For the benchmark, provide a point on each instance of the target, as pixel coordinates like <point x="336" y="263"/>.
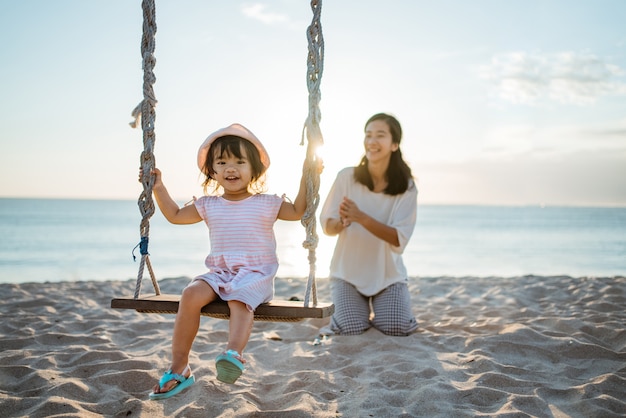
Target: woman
<point x="372" y="208"/>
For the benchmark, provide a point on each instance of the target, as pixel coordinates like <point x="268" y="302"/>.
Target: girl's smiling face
<point x="233" y="173"/>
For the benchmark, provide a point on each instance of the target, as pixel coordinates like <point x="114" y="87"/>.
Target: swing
<point x="275" y="310"/>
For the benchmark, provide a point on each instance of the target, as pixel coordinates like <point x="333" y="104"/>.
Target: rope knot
<point x="143" y="247"/>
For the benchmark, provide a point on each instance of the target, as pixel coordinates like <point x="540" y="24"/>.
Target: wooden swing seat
<point x="276" y="310"/>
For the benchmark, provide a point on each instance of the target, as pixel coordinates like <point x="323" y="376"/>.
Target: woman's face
<point x="378" y="142"/>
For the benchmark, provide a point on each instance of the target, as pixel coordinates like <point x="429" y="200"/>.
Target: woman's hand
<point x="349" y="212"/>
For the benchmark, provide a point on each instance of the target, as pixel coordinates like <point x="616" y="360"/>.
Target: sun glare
<point x="319" y="152"/>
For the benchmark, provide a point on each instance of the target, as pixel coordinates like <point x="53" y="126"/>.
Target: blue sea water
<point x="69" y="240"/>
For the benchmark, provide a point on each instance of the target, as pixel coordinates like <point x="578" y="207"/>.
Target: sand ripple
<point x="524" y="346"/>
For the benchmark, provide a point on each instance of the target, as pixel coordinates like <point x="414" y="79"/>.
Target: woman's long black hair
<point x="398" y="173"/>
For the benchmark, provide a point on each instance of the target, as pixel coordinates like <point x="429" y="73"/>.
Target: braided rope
<point x="315" y="67"/>
<point x="144" y="113"/>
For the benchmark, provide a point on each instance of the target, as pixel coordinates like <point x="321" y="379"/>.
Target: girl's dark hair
<point x="232" y="145"/>
<point x="398" y="173"/>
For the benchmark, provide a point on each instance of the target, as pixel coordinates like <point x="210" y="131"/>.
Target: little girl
<point x="242" y="263"/>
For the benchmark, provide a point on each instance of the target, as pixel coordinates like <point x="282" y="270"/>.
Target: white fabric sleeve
<point x="404" y="216"/>
<point x="337" y="192"/>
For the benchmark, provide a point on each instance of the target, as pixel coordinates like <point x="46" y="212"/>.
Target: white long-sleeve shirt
<point x="360" y="258"/>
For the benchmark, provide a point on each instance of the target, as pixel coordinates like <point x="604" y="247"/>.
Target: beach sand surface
<point x="521" y="346"/>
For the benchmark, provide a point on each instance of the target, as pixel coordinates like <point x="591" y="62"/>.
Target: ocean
<point x="77" y="240"/>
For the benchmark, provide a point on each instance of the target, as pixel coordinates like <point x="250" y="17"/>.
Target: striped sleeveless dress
<point x="243" y="262"/>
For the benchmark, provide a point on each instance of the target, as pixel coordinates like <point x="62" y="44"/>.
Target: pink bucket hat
<point x="236" y="130"/>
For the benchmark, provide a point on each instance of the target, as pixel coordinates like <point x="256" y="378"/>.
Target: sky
<point x="517" y="102"/>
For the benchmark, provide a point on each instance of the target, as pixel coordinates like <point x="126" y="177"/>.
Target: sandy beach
<point x="522" y="346"/>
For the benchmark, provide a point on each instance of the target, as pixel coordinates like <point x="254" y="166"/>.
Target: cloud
<point x="553" y="140"/>
<point x="567" y="77"/>
<point x="259" y="12"/>
<point x="583" y="178"/>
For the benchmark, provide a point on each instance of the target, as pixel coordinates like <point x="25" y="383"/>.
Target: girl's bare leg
<point x="239" y="327"/>
<point x="186" y="325"/>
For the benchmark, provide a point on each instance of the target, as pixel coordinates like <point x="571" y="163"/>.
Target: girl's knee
<point x="240" y="309"/>
<point x="197" y="293"/>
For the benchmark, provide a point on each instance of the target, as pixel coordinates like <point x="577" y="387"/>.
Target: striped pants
<point x="388" y="311"/>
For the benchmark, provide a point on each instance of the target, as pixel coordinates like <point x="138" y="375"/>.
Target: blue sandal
<point x="168" y="376"/>
<point x="228" y="366"/>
